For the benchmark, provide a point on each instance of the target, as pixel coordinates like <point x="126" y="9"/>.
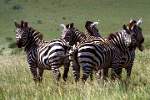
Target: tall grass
<point x="16" y="83"/>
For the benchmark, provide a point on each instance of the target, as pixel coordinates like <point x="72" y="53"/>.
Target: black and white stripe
<point x="76" y="38"/>
<point x="137" y="42"/>
<point x="97" y="55"/>
<point x="41" y="54"/>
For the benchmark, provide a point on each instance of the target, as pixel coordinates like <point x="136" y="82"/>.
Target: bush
<point x="39" y="21"/>
<point x="12" y="45"/>
<point x="9" y="39"/>
<point x="17" y="7"/>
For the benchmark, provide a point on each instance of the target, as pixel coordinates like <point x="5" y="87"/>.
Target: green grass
<point x="111" y="13"/>
<point x="16" y="83"/>
<point x="45" y="15"/>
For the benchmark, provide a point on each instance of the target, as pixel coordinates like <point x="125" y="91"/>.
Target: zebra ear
<point x="22" y="23"/>
<point x="131" y="25"/>
<point x="139" y="22"/>
<point x="62" y="25"/>
<point x="16" y="24"/>
<point x="94" y="23"/>
<point x="67" y="26"/>
<point x="87" y="24"/>
<point x="131" y="20"/>
<point x="71" y="25"/>
<point x="25" y="24"/>
<point x="124" y="27"/>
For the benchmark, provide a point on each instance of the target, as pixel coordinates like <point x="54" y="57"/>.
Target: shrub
<point x="17" y="7"/>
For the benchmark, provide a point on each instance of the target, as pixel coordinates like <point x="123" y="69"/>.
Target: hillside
<point x="46" y="15"/>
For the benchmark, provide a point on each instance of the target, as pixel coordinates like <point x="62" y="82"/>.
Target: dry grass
<point x="16" y="83"/>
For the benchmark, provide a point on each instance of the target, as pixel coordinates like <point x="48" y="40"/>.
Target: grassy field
<point x="16" y="83"/>
<point x="45" y="15"/>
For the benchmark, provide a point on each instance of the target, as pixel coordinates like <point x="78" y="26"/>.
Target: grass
<point x="16" y="83"/>
<point x="45" y="15"/>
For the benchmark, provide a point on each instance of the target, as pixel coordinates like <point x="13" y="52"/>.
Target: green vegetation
<point x="45" y="16"/>
<point x="16" y="83"/>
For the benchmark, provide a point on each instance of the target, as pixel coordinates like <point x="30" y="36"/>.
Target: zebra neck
<point x="29" y="47"/>
<point x="118" y="43"/>
<point x="31" y="44"/>
<point x="34" y="40"/>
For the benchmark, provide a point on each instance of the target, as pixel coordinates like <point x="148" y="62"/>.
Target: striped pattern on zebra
<point x="102" y="55"/>
<point x="75" y="38"/>
<point x="42" y="54"/>
<point x="134" y="26"/>
<point x="78" y="36"/>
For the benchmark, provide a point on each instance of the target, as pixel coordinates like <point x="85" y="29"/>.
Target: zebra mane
<point x="33" y="32"/>
<point x="112" y="35"/>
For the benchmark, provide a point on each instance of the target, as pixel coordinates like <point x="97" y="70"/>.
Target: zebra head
<point x="67" y="31"/>
<point x="137" y="35"/>
<point x="26" y="35"/>
<point x="70" y="34"/>
<point x="92" y="29"/>
<point x="21" y="33"/>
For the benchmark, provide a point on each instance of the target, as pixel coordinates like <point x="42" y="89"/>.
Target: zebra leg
<point x="56" y="73"/>
<point x="76" y="71"/>
<point x="74" y="64"/>
<point x="116" y="73"/>
<point x="105" y="73"/>
<point x="33" y="70"/>
<point x="87" y="70"/>
<point x="40" y="74"/>
<point x="66" y="70"/>
<point x="128" y="69"/>
<point x="91" y="75"/>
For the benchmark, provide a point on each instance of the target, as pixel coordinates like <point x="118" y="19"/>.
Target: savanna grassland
<point x="45" y="15"/>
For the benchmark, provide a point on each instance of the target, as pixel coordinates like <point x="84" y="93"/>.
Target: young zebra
<point x="42" y="54"/>
<point x="97" y="55"/>
<point x="133" y="26"/>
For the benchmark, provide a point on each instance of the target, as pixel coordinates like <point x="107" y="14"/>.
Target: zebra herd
<point x="88" y="50"/>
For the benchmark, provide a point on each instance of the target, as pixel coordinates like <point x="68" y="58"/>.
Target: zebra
<point x="138" y="36"/>
<point x="76" y="38"/>
<point x="97" y="55"/>
<point x="134" y="26"/>
<point x="42" y="54"/>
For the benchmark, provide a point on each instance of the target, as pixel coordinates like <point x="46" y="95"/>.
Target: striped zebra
<point x="76" y="38"/>
<point x="42" y="54"/>
<point x="134" y="26"/>
<point x="111" y="53"/>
